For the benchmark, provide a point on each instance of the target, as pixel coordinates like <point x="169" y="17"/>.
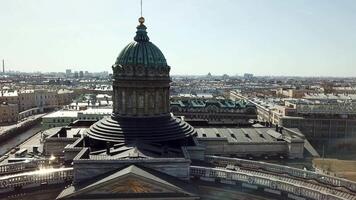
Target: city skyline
<point x="304" y="38"/>
<point x="255" y="131"/>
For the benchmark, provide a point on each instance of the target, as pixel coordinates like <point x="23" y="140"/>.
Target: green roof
<point x="141" y="51"/>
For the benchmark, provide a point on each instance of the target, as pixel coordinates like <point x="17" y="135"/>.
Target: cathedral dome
<point x="141" y="52"/>
<point x="141" y="103"/>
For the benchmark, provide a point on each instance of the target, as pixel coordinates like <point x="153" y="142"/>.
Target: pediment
<point x="129" y="182"/>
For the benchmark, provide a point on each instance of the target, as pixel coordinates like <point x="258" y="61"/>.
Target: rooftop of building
<point x="64" y="91"/>
<point x="102" y="96"/>
<point x="63" y="113"/>
<point x="198" y="95"/>
<point x="97" y="111"/>
<point x="29" y="91"/>
<point x="138" y="150"/>
<point x="69" y="132"/>
<point x="89" y="104"/>
<point x="242" y="135"/>
<point x="201" y="103"/>
<point x="8" y="93"/>
<point x="320" y="96"/>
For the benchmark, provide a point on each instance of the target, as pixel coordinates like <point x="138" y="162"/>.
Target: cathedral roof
<point x="141" y="51"/>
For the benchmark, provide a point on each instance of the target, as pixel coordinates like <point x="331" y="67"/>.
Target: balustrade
<point x="289" y="185"/>
<point x="37" y="177"/>
<point x="22" y="166"/>
<point x="304" y="174"/>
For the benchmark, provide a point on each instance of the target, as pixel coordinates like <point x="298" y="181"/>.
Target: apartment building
<point x="8" y="113"/>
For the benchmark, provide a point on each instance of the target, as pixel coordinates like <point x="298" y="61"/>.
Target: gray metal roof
<point x="238" y="135"/>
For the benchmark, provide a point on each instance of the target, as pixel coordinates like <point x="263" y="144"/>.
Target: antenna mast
<point x="141" y="8"/>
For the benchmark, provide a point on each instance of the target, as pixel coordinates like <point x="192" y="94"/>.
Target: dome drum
<point x="120" y="72"/>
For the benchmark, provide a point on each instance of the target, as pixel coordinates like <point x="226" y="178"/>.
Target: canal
<point x="10" y="143"/>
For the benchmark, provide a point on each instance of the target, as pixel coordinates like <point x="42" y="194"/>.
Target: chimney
<point x="62" y="132"/>
<point x="280" y="130"/>
<point x="108" y="146"/>
<point x="86" y="141"/>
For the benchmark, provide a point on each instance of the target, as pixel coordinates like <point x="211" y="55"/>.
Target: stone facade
<point x="27" y="100"/>
<point x="30" y="102"/>
<point x="141" y="98"/>
<point x="8" y="113"/>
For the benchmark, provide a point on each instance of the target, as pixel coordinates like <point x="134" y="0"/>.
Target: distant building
<point x="248" y="76"/>
<point x="30" y="102"/>
<point x="292" y="92"/>
<point x="92" y="101"/>
<point x="64" y="97"/>
<point x="331" y="124"/>
<point x="27" y="100"/>
<point x="213" y="111"/>
<point x="46" y="99"/>
<point x="327" y="122"/>
<point x="10" y="97"/>
<point x="8" y="113"/>
<point x="59" y="118"/>
<point x="94" y="114"/>
<point x="68" y="73"/>
<point x="65" y="117"/>
<point x="252" y="142"/>
<point x="81" y="74"/>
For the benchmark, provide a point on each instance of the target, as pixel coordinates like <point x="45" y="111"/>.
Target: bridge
<point x="284" y="181"/>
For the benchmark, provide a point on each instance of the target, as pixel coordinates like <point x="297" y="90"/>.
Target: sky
<point x="263" y="37"/>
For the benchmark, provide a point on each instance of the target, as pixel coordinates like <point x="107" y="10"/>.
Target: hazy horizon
<point x="313" y="38"/>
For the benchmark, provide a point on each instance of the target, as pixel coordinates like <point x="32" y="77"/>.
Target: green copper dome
<point x="141" y="51"/>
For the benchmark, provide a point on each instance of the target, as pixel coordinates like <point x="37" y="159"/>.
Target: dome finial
<point x="141" y="20"/>
<point x="141" y="34"/>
